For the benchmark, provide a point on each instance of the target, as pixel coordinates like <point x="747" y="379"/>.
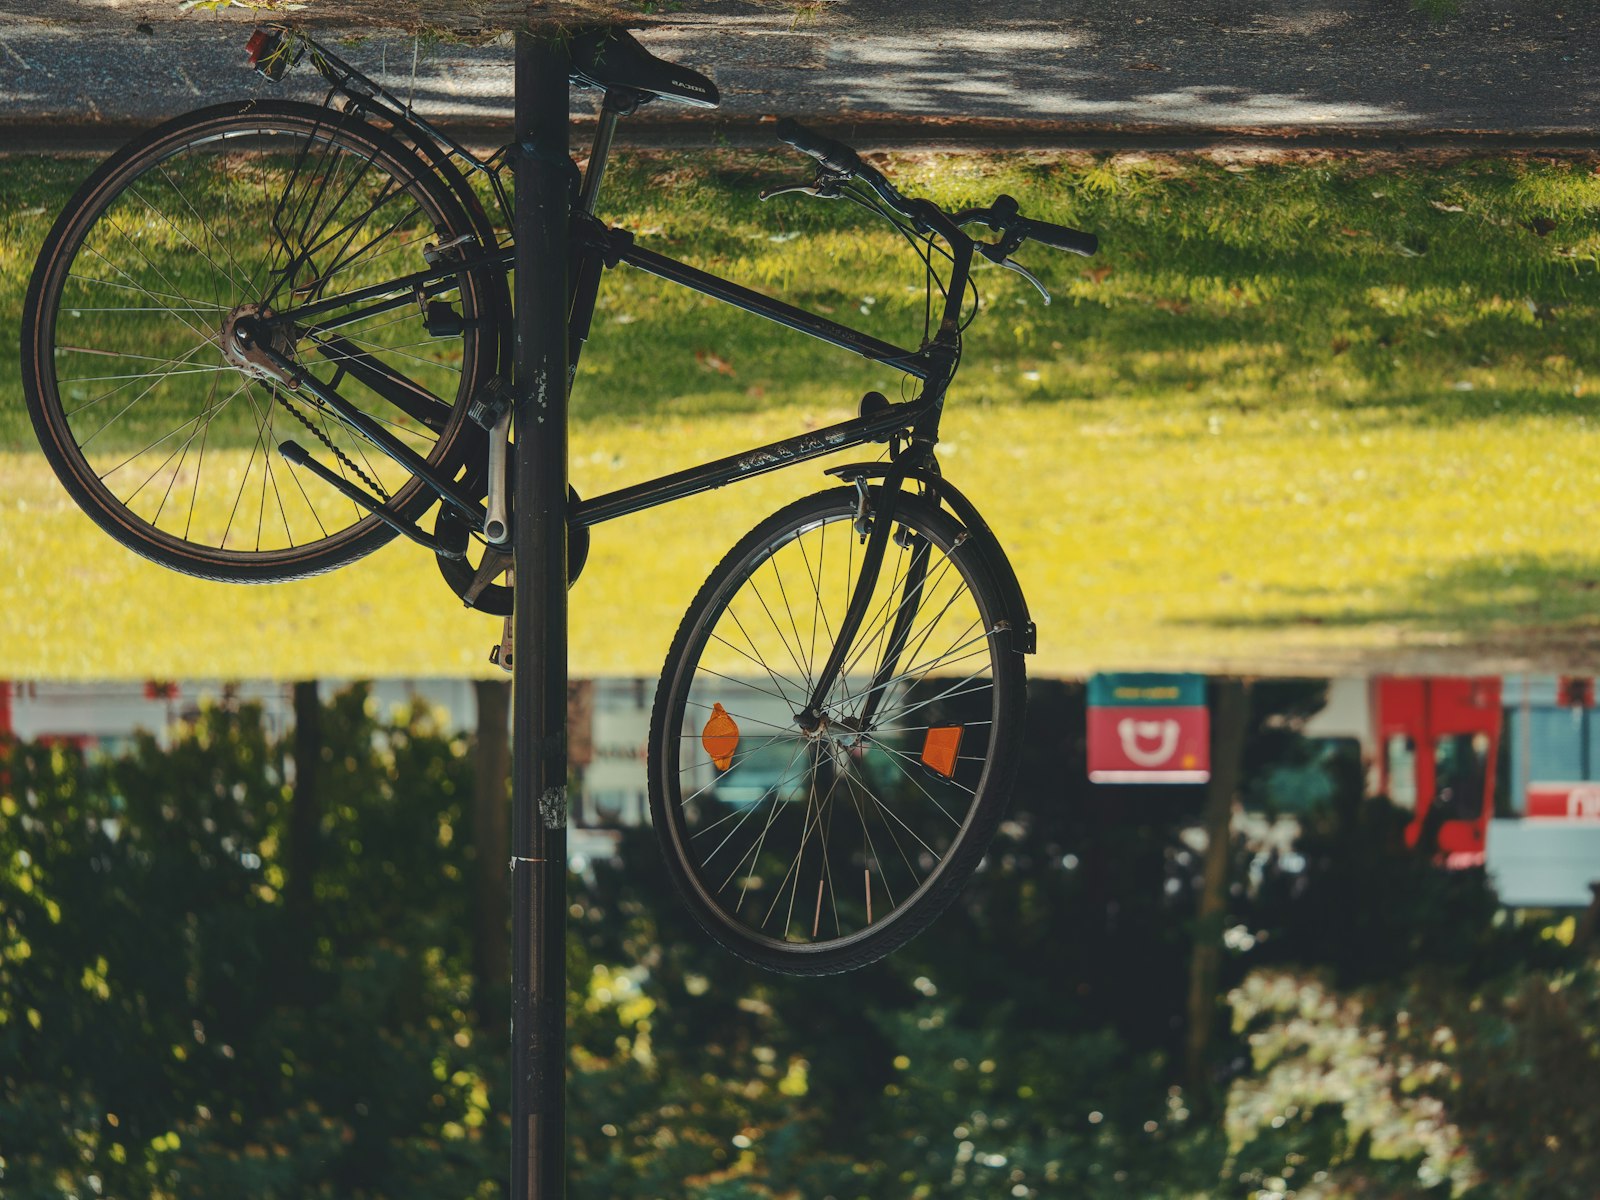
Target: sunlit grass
<point x="1292" y="417"/>
<point x="1240" y="544"/>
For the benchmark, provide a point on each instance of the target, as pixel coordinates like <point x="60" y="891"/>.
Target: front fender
<point x="1016" y="604"/>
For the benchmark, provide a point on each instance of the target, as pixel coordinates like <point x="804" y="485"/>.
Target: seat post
<point x="615" y="106"/>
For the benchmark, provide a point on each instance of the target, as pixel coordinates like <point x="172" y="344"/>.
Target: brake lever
<point x="824" y="187"/>
<point x="1012" y="264"/>
<point x="999" y="253"/>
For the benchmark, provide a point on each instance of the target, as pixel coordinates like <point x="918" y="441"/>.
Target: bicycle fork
<point x="881" y="518"/>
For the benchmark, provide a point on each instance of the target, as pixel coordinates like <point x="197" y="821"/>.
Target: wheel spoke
<point x="242" y="278"/>
<point x="742" y="719"/>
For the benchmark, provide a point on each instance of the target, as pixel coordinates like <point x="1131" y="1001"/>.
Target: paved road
<point x="1052" y="68"/>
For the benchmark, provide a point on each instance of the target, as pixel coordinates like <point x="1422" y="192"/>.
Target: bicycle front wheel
<point x="158" y="426"/>
<point x="813" y="851"/>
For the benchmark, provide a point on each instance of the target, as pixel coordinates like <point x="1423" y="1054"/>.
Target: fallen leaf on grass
<point x="711" y="362"/>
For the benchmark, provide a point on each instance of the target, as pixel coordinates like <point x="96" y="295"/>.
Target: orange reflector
<point x="720" y="737"/>
<point x="939" y="748"/>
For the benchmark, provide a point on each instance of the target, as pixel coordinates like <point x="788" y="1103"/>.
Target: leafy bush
<point x="160" y="1037"/>
<point x="1525" y="1068"/>
<point x="172" y="1026"/>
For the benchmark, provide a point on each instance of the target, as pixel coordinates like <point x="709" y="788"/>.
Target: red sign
<point x="1146" y="728"/>
<point x="1563" y="801"/>
<point x="1140" y="746"/>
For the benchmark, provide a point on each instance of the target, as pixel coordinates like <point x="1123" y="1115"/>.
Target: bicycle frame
<point x="599" y="247"/>
<point x="918" y="418"/>
<point x="911" y="428"/>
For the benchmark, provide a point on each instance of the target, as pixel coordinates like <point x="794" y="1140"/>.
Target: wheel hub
<point x="245" y="330"/>
<point x="840" y="735"/>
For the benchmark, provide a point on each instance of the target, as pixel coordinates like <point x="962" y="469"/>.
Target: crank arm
<point x="496" y="528"/>
<point x="503" y="652"/>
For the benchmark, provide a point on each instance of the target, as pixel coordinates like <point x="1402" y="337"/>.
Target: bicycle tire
<point x="200" y="186"/>
<point x="959" y="587"/>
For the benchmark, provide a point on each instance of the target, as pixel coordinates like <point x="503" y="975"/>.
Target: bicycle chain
<point x="337" y="453"/>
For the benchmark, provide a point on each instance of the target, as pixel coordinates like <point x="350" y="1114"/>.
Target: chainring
<point x="453" y="534"/>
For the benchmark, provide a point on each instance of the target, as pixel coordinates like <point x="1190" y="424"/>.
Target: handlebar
<point x="1062" y="237"/>
<point x="1002" y="216"/>
<point x="836" y="156"/>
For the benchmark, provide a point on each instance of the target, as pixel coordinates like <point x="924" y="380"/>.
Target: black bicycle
<point x="267" y="337"/>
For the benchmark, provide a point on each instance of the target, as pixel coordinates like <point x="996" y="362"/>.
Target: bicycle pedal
<point x="500" y="655"/>
<point x="490" y="403"/>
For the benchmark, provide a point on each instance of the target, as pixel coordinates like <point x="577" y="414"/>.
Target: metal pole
<point x="539" y="668"/>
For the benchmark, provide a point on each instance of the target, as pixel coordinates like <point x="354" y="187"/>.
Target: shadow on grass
<point x="1336" y="286"/>
<point x="1511" y="606"/>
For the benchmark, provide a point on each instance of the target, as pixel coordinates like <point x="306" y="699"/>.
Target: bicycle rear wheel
<point x="171" y="445"/>
<point x="817" y="852"/>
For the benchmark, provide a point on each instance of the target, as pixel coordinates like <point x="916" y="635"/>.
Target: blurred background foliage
<point x="198" y="1001"/>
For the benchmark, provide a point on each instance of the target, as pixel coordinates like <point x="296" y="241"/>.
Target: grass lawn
<point x="1297" y="416"/>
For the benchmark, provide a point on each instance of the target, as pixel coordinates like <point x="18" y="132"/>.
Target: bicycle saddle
<point x="611" y="58"/>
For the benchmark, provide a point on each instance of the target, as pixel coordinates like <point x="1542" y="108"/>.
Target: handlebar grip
<point x="836" y="156"/>
<point x="1059" y="236"/>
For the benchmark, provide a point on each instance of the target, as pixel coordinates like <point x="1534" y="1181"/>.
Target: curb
<point x="889" y="133"/>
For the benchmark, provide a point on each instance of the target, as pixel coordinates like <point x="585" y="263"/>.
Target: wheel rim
<point x="814" y="840"/>
<point x="171" y="432"/>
